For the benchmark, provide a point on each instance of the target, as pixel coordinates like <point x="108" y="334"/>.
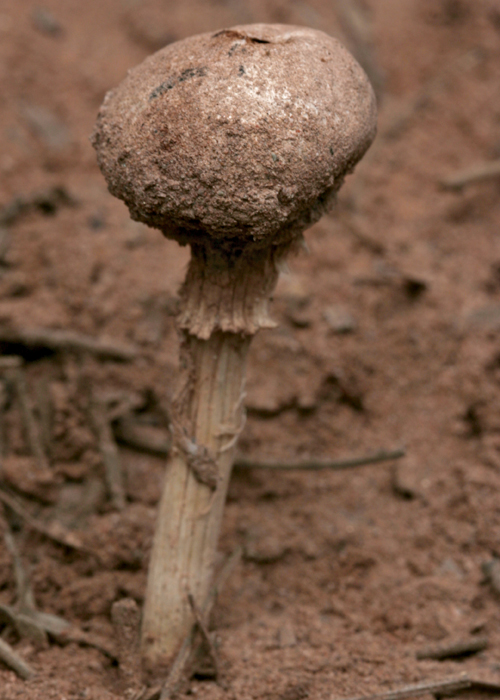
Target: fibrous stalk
<point x="224" y="302"/>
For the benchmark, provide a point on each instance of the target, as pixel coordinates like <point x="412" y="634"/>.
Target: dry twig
<point x="23" y="615"/>
<point x="75" y="635"/>
<point x="25" y="598"/>
<point x="177" y="672"/>
<point x="7" y="362"/>
<point x="453" y="650"/>
<point x="59" y="536"/>
<point x="56" y="627"/>
<point x="207" y="648"/>
<point x="109" y="452"/>
<point x="131" y="434"/>
<point x="444" y="687"/>
<point x="121" y="404"/>
<point x="316" y="464"/>
<point x="67" y="341"/>
<point x="19" y="616"/>
<point x="30" y="622"/>
<point x="30" y="424"/>
<point x="12" y="659"/>
<point x="478" y="173"/>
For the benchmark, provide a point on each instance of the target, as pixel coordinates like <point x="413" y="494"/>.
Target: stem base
<point x="209" y="416"/>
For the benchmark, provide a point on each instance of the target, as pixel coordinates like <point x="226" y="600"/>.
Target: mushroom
<point x="233" y="142"/>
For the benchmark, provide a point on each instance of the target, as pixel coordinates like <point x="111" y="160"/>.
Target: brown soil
<point x="388" y="335"/>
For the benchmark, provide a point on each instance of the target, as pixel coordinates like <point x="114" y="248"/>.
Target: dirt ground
<point x="388" y="337"/>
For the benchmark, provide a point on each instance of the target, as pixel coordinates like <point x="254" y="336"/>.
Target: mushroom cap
<point x="245" y="133"/>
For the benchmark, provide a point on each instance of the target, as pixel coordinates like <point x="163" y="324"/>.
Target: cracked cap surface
<point x="245" y="133"/>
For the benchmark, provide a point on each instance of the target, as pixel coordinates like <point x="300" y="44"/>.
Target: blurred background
<point x="388" y="336"/>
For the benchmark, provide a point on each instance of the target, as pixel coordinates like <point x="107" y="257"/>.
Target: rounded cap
<point x="245" y="133"/>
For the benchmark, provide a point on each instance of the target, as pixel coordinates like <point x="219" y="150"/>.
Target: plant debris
<point x="449" y="686"/>
<point x="454" y="650"/>
<point x="66" y="341"/>
<point x="468" y="176"/>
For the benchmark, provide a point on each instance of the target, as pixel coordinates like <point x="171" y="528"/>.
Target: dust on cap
<point x="245" y="133"/>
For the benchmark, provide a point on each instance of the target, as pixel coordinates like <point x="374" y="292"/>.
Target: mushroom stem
<point x="208" y="416"/>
